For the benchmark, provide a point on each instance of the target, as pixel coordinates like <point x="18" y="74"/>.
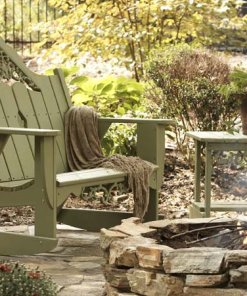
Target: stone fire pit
<point x="184" y="257"/>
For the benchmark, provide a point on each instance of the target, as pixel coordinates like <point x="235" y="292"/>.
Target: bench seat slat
<point x="86" y="176"/>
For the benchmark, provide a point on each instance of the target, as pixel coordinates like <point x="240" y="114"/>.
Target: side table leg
<point x="208" y="173"/>
<point x="198" y="148"/>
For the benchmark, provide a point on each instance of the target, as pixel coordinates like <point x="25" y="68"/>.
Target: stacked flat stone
<point x="138" y="265"/>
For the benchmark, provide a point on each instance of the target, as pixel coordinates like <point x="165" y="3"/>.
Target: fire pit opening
<point x="221" y="234"/>
<point x="183" y="257"/>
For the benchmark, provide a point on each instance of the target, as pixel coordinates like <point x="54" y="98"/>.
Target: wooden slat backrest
<point x="53" y="115"/>
<point x="34" y="101"/>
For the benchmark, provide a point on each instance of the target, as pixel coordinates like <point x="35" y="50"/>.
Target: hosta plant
<point x="18" y="280"/>
<point x="109" y="96"/>
<point x="113" y="97"/>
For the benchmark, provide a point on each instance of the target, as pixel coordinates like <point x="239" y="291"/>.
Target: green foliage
<point x="110" y="96"/>
<point x="237" y="85"/>
<point x="121" y="138"/>
<point x="128" y="30"/>
<point x="17" y="280"/>
<point x="190" y="81"/>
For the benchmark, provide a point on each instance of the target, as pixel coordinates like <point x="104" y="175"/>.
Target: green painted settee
<point x="33" y="166"/>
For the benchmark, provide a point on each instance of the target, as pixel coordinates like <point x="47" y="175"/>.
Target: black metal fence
<point x="17" y="18"/>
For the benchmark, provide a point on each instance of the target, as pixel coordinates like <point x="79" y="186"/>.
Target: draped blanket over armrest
<point x="84" y="152"/>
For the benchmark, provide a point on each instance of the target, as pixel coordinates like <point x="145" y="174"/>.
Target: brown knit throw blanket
<point x="84" y="152"/>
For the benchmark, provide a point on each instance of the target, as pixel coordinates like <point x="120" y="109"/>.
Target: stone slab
<point x="204" y="221"/>
<point x="201" y="280"/>
<point x="74" y="270"/>
<point x="238" y="276"/>
<point x="123" y="252"/>
<point x="132" y="226"/>
<point x="15" y="229"/>
<point x="154" y="283"/>
<point x="151" y="256"/>
<point x="108" y="236"/>
<point x="116" y="277"/>
<point x="236" y="257"/>
<point x="190" y="291"/>
<point x="111" y="291"/>
<point x="85" y="288"/>
<point x="194" y="261"/>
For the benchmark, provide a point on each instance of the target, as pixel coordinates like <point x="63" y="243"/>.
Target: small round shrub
<point x="17" y="280"/>
<point x="190" y="80"/>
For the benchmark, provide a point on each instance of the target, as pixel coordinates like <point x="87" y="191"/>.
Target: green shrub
<point x="237" y="85"/>
<point x="109" y="96"/>
<point x="121" y="139"/>
<point x="112" y="96"/>
<point x="17" y="280"/>
<point x="189" y="82"/>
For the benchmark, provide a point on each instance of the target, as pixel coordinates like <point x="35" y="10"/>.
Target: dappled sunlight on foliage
<point x="128" y="30"/>
<point x="109" y="96"/>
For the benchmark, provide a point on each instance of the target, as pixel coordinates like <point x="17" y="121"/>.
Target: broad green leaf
<point x="79" y="80"/>
<point x="78" y="99"/>
<point x="70" y="70"/>
<point x="121" y="110"/>
<point x="107" y="88"/>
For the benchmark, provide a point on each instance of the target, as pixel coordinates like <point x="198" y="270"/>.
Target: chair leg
<point x="152" y="212"/>
<point x="195" y="213"/>
<point x="45" y="220"/>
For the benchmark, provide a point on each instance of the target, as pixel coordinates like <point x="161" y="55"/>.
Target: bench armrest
<point x="6" y="132"/>
<point x="150" y="138"/>
<point x="137" y="120"/>
<point x="28" y="132"/>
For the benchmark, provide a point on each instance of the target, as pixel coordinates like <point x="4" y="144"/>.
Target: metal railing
<point x="17" y="18"/>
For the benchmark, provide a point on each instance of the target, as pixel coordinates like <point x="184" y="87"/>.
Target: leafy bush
<point x="237" y="85"/>
<point x="190" y="80"/>
<point x="17" y="280"/>
<point x="120" y="138"/>
<point x="110" y="96"/>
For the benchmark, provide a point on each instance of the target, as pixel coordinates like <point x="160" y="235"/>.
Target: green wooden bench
<point x="33" y="166"/>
